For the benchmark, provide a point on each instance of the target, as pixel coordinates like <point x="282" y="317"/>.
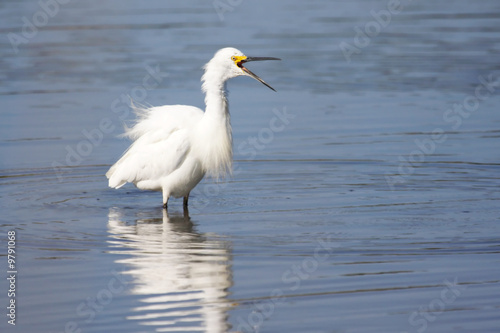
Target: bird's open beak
<point x="243" y="60"/>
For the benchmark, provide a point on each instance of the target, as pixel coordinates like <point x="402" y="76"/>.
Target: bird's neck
<point x="214" y="134"/>
<point x="215" y="98"/>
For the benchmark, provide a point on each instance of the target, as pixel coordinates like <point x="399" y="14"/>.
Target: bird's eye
<point x="233" y="58"/>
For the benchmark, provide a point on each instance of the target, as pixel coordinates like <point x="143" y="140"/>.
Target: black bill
<point x="248" y="59"/>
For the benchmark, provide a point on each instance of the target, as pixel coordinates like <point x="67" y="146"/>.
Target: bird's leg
<point x="185" y="201"/>
<point x="166" y="195"/>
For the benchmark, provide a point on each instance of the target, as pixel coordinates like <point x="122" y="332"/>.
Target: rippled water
<point x="365" y="196"/>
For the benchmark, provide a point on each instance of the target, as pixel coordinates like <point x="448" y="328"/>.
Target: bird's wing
<point x="161" y="143"/>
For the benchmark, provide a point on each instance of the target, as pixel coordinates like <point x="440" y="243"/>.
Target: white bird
<point x="174" y="146"/>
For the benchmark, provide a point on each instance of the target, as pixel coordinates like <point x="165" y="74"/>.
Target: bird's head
<point x="229" y="62"/>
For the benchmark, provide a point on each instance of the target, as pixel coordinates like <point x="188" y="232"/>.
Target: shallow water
<point x="364" y="196"/>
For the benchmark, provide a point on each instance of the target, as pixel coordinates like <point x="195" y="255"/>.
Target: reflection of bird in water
<point x="183" y="275"/>
<point x="176" y="145"/>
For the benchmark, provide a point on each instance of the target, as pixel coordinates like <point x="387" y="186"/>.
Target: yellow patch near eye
<point x="237" y="59"/>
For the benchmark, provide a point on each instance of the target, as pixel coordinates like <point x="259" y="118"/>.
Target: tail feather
<point x="114" y="180"/>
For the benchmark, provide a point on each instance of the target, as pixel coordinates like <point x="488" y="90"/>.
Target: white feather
<point x="161" y="142"/>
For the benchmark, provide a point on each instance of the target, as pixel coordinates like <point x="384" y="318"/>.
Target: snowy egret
<point x="174" y="146"/>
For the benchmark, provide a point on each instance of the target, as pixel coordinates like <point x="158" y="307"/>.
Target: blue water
<point x="365" y="195"/>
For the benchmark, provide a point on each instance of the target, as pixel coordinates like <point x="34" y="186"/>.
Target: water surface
<point x="372" y="207"/>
